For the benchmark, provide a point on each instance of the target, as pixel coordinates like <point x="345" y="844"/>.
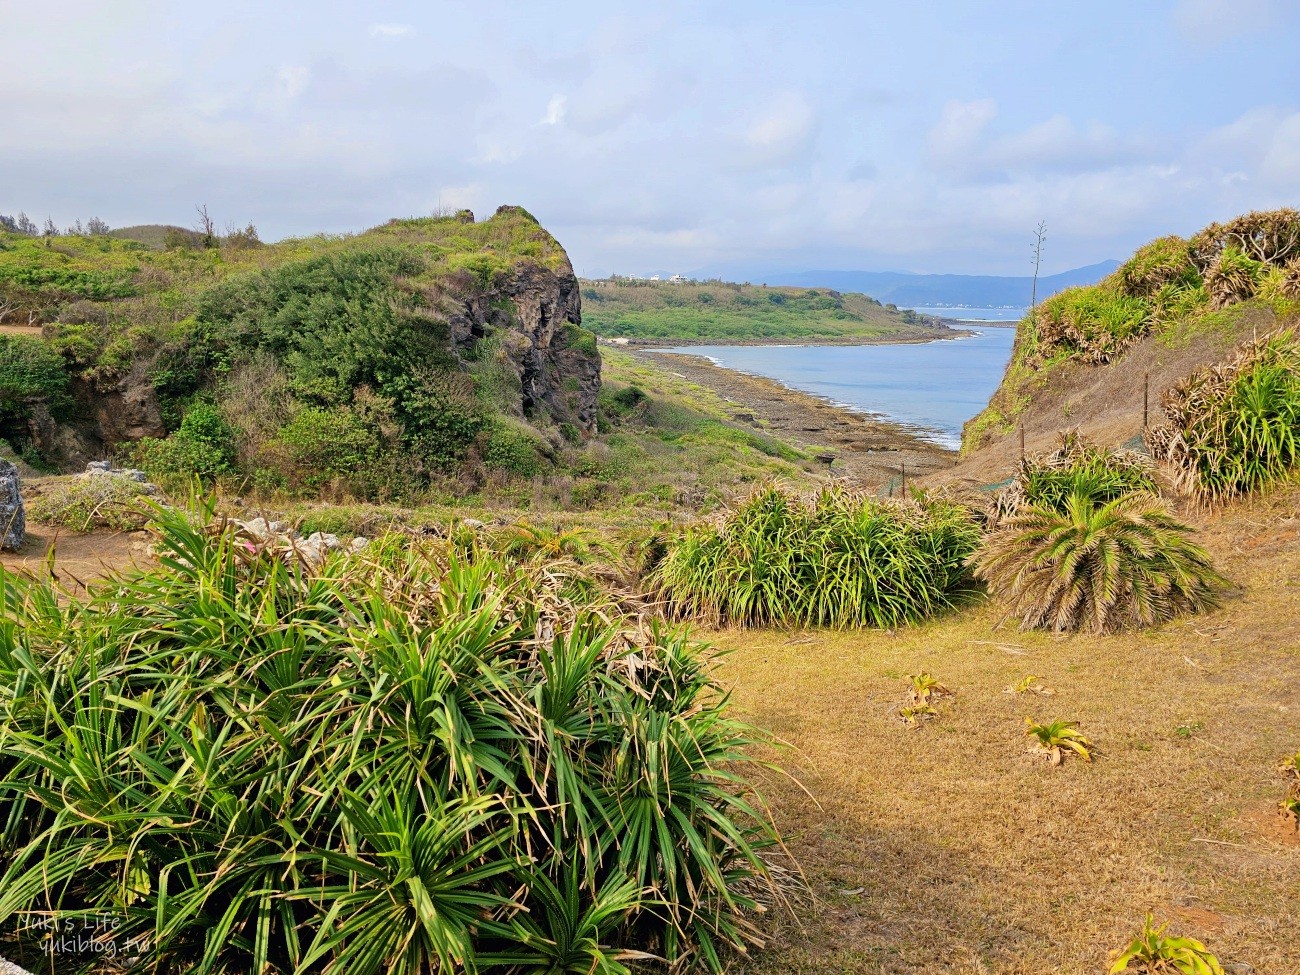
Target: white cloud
<point x="555" y="110"/>
<point x="1281" y="164"/>
<point x="960" y="126"/>
<point x="1216" y="20"/>
<point x="292" y="80"/>
<point x="1261" y="145"/>
<point x="391" y="30"/>
<point x="782" y="132"/>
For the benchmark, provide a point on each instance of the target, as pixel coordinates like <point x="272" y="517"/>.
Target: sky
<point x="716" y="136"/>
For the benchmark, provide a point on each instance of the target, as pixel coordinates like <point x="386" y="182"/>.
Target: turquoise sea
<point x="934" y="387"/>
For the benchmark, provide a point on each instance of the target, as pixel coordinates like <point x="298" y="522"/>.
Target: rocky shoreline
<point x="871" y="452"/>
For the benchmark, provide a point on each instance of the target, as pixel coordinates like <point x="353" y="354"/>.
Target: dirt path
<point x="870" y="452"/>
<point x="78" y="558"/>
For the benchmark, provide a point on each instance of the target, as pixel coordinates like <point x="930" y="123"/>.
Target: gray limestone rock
<point x="13" y="517"/>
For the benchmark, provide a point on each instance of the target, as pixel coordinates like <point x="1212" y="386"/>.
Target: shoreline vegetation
<point x="950" y="332"/>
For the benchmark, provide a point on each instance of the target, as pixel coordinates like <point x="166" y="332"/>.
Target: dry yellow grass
<point x="951" y="848"/>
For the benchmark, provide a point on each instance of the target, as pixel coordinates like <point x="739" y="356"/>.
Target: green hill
<point x="156" y="235"/>
<point x="716" y="310"/>
<point x="383" y="359"/>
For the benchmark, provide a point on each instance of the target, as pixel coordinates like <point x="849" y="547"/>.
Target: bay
<point x="933" y="387"/>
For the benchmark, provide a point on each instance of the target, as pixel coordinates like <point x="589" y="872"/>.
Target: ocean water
<point x="934" y="387"/>
<point x="972" y="314"/>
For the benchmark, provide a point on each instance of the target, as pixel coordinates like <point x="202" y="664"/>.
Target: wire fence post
<point x="1022" y="442"/>
<point x="902" y="490"/>
<point x="1146" y="399"/>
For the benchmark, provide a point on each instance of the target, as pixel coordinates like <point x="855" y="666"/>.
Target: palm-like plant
<point x="1290" y="766"/>
<point x="1127" y="563"/>
<point x="1076" y="466"/>
<point x="1053" y="739"/>
<point x="1290" y="807"/>
<point x="914" y="714"/>
<point x="1153" y="952"/>
<point x="1030" y="684"/>
<point x="408" y="760"/>
<point x="925" y="687"/>
<point x="523" y="540"/>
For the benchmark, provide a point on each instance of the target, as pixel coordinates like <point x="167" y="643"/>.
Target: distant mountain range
<point x="937" y="290"/>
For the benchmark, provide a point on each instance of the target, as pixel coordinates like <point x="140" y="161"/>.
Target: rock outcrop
<point x="13" y="517"/>
<point x="537" y="313"/>
<point x="107" y="413"/>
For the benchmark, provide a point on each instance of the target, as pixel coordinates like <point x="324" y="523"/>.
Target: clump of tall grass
<point x="1156" y="266"/>
<point x="1094" y="324"/>
<point x="838" y="558"/>
<point x="1234" y="427"/>
<point x="90" y="501"/>
<point x="410" y="760"/>
<point x="1076" y="467"/>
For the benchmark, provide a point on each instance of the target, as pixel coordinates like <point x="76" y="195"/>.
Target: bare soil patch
<point x="76" y="558"/>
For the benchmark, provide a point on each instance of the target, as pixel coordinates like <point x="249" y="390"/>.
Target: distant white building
<point x="654" y="277"/>
<point x="677" y="279"/>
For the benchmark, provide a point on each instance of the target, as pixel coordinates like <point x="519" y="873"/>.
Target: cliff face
<point x="537" y="315"/>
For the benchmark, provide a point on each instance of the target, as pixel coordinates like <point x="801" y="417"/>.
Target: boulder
<point x="13" y="517"/>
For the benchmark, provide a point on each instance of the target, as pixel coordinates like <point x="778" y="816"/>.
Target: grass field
<point x="950" y="848"/>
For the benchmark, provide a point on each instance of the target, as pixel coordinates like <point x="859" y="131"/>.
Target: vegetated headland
<point x="425" y="676"/>
<point x="644" y="312"/>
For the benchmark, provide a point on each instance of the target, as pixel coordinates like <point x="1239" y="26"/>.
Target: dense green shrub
<point x="838" y="559"/>
<point x="408" y="761"/>
<point x="29" y="371"/>
<point x="440" y="417"/>
<point x="622" y="402"/>
<point x="511" y="450"/>
<point x="203" y="447"/>
<point x="324" y="445"/>
<point x="337" y="321"/>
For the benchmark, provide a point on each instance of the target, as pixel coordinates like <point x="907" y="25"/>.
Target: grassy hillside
<point x="1174" y="305"/>
<point x="156" y="236"/>
<point x="634" y="309"/>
